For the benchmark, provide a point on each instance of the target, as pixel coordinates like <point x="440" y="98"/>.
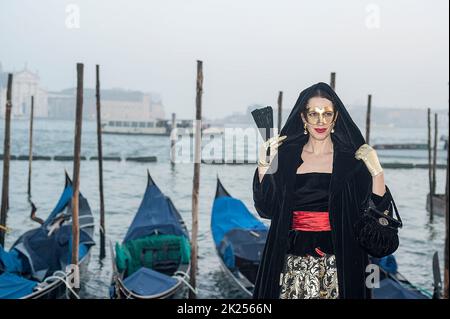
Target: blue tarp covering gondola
<point x="392" y="285"/>
<point x="40" y="252"/>
<point x="48" y="248"/>
<point x="155" y="245"/>
<point x="237" y="233"/>
<point x="392" y="289"/>
<point x="62" y="203"/>
<point x="46" y="254"/>
<point x="12" y="261"/>
<point x="147" y="282"/>
<point x="13" y="286"/>
<point x="156" y="214"/>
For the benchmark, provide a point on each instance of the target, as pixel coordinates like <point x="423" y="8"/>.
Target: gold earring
<point x="332" y="130"/>
<point x="306" y="131"/>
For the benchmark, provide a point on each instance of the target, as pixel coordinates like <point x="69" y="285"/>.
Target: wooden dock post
<point x="173" y="139"/>
<point x="369" y="110"/>
<point x="333" y="80"/>
<point x="446" y="261"/>
<point x="435" y="151"/>
<point x="76" y="169"/>
<point x="100" y="164"/>
<point x="430" y="175"/>
<point x="30" y="150"/>
<point x="280" y="110"/>
<point x="196" y="181"/>
<point x="6" y="158"/>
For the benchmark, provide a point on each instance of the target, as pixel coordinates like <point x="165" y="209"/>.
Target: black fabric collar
<point x="344" y="166"/>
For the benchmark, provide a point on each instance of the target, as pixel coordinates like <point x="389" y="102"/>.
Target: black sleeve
<point x="264" y="195"/>
<point x="364" y="186"/>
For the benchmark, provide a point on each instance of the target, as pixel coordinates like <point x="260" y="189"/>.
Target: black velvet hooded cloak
<point x="350" y="191"/>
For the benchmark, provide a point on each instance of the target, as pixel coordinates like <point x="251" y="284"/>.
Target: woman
<point x="319" y="176"/>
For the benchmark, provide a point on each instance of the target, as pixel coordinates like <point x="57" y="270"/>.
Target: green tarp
<point x="152" y="251"/>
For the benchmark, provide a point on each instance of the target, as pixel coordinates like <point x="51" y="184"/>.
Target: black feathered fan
<point x="264" y="121"/>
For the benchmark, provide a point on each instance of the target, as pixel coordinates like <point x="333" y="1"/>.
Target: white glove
<point x="369" y="156"/>
<point x="273" y="143"/>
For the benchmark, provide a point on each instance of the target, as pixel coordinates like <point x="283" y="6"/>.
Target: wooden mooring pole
<point x="100" y="164"/>
<point x="196" y="181"/>
<point x="430" y="175"/>
<point x="30" y="149"/>
<point x="6" y="157"/>
<point x="173" y="139"/>
<point x="447" y="220"/>
<point x="76" y="169"/>
<point x="280" y="109"/>
<point x="446" y="248"/>
<point x="369" y="111"/>
<point x="333" y="80"/>
<point x="435" y="151"/>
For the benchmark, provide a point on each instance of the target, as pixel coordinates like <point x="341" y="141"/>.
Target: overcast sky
<point x="396" y="50"/>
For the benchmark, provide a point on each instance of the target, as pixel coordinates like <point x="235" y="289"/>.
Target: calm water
<point x="125" y="183"/>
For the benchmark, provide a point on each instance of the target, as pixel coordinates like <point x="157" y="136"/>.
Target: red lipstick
<point x="320" y="130"/>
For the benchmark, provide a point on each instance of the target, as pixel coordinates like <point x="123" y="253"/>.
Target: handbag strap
<point x="395" y="207"/>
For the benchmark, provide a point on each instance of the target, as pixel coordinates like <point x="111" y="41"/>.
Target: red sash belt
<point x="310" y="221"/>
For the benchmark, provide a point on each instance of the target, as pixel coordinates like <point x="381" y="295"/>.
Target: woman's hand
<point x="264" y="161"/>
<point x="369" y="156"/>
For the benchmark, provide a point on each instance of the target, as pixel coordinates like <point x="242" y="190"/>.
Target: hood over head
<point x="346" y="132"/>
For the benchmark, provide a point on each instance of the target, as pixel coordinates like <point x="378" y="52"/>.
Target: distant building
<point x="61" y="105"/>
<point x="25" y="85"/>
<point x="116" y="105"/>
<point x="131" y="106"/>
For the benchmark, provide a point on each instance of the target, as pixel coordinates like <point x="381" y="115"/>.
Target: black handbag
<point x="377" y="232"/>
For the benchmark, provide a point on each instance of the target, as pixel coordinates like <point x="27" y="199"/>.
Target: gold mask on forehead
<point x="320" y="115"/>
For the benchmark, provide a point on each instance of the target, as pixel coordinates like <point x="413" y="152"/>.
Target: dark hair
<point x="323" y="94"/>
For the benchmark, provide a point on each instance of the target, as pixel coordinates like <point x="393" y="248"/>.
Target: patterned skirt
<point x="309" y="277"/>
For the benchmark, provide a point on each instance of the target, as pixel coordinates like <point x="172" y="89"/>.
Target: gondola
<point x="438" y="204"/>
<point x="239" y="239"/>
<point x="153" y="260"/>
<point x="36" y="265"/>
<point x="392" y="284"/>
